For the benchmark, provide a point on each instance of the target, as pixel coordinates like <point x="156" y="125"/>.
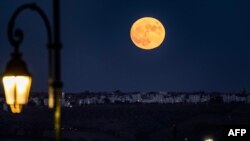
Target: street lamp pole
<point x="57" y="84"/>
<point x="15" y="36"/>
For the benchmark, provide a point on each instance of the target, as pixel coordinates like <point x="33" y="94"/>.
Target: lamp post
<point x="17" y="79"/>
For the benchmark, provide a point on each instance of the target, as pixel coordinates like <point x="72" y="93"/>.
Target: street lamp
<point x="17" y="79"/>
<point x="17" y="82"/>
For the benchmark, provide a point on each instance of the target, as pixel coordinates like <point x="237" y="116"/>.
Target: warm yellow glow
<point x="23" y="84"/>
<point x="51" y="98"/>
<point x="209" y="139"/>
<point x="16" y="108"/>
<point x="16" y="90"/>
<point x="9" y="89"/>
<point x="147" y="33"/>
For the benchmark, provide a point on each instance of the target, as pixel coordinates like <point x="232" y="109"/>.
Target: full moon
<point x="147" y="33"/>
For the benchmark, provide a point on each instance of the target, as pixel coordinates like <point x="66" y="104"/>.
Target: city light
<point x="209" y="139"/>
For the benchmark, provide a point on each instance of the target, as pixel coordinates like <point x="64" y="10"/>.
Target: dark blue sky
<point x="207" y="45"/>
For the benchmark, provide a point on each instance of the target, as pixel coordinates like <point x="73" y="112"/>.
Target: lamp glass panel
<point x="23" y="84"/>
<point x="17" y="89"/>
<point x="9" y="89"/>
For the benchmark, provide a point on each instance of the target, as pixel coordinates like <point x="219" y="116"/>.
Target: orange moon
<point x="147" y="33"/>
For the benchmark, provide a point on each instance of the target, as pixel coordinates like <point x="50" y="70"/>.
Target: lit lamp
<point x="208" y="139"/>
<point x="16" y="81"/>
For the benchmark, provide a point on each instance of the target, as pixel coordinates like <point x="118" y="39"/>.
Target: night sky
<point x="207" y="46"/>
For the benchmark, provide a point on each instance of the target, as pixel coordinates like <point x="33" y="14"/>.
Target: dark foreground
<point x="126" y="122"/>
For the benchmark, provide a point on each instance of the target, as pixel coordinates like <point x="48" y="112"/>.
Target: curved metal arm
<point x="15" y="35"/>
